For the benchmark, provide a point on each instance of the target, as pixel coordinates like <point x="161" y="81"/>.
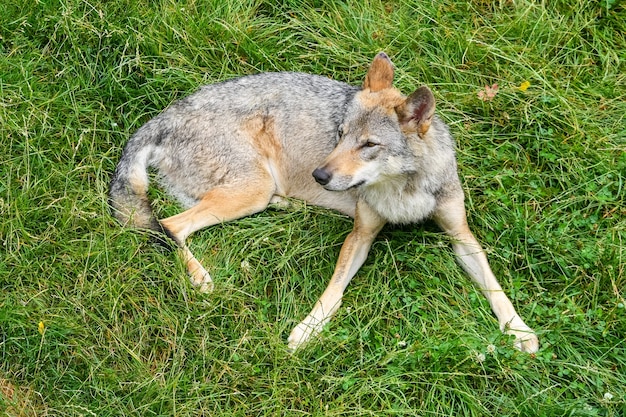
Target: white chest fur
<point x="398" y="203"/>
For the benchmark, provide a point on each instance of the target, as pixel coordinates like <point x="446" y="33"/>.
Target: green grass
<point x="124" y="333"/>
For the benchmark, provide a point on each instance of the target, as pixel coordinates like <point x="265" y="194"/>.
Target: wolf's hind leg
<point x="451" y="217"/>
<point x="218" y="205"/>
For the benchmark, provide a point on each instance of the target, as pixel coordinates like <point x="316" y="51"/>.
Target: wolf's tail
<point x="128" y="192"/>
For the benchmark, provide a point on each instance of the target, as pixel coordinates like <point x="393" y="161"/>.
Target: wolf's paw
<point x="206" y="287"/>
<point x="525" y="338"/>
<point x="200" y="278"/>
<point x="304" y="331"/>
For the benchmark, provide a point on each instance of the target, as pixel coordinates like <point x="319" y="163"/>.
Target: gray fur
<point x="231" y="148"/>
<point x="195" y="145"/>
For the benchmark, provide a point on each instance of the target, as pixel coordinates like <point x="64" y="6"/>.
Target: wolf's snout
<point x="322" y="176"/>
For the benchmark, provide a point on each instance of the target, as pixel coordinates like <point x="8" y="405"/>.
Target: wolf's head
<point x="378" y="139"/>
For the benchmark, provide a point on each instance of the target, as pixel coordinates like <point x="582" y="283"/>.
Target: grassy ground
<point x="97" y="322"/>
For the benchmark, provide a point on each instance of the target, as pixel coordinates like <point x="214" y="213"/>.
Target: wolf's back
<point x="207" y="125"/>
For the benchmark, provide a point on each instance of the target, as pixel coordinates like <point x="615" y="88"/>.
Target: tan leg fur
<point x="451" y="217"/>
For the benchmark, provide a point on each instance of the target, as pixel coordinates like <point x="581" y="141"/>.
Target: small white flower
<point x="480" y="357"/>
<point x="401" y="343"/>
<point x="491" y="349"/>
<point x="608" y="396"/>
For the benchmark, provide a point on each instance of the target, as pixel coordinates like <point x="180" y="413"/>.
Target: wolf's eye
<point x="370" y="144"/>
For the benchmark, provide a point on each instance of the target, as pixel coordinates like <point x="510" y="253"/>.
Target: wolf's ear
<point x="416" y="113"/>
<point x="380" y="74"/>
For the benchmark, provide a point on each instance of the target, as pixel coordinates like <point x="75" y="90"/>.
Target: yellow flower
<point x="41" y="327"/>
<point x="524" y="86"/>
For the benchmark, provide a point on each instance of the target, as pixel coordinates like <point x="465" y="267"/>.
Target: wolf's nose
<point x="321" y="176"/>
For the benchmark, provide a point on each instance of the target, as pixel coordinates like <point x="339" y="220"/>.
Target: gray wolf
<point x="232" y="148"/>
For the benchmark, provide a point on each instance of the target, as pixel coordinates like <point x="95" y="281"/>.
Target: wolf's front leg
<point x="317" y="318"/>
<point x="353" y="253"/>
<point x="451" y="218"/>
<point x="474" y="261"/>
